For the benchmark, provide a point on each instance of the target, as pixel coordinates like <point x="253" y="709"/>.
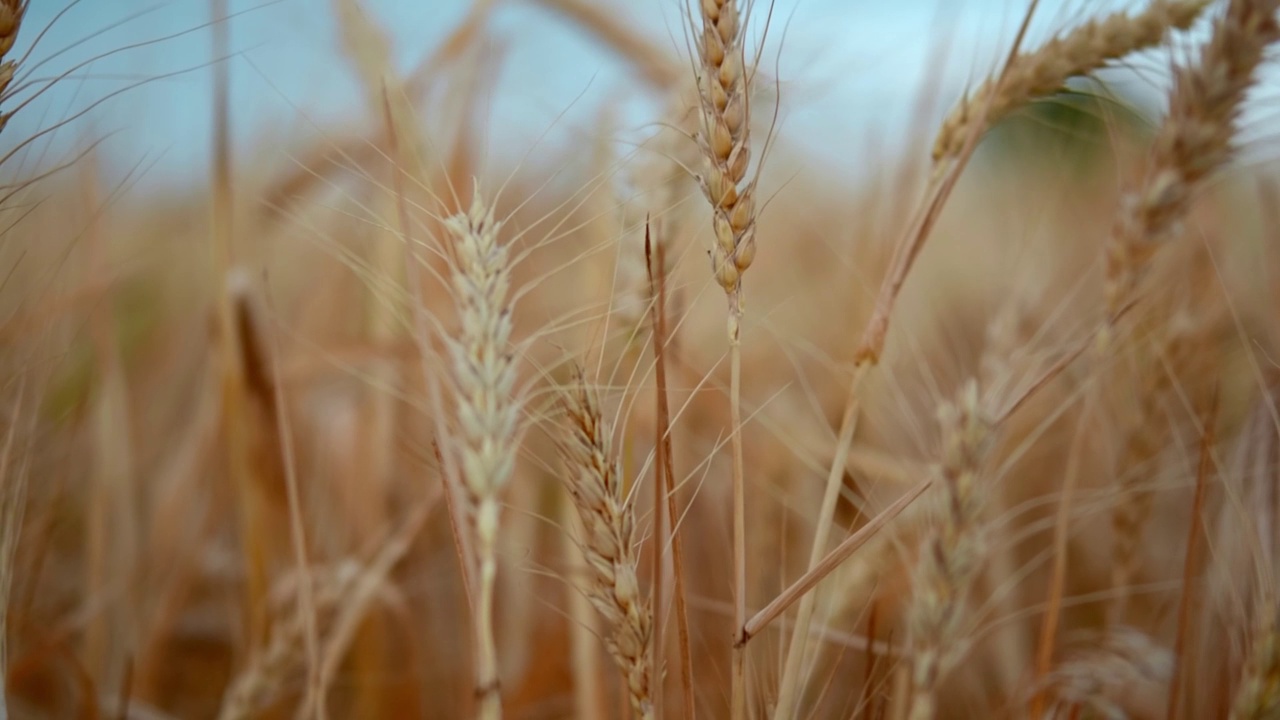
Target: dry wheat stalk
<point x="949" y="561"/>
<point x="608" y="520"/>
<point x="488" y="410"/>
<point x="13" y="503"/>
<point x="1194" y="141"/>
<point x="659" y="184"/>
<point x="1042" y="72"/>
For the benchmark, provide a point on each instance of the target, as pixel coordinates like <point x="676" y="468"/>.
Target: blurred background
<point x="134" y="282"/>
<point x="850" y="74"/>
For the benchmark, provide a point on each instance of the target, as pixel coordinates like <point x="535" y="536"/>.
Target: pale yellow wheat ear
<point x="488" y="408"/>
<point x="1194" y="141"/>
<point x="595" y="482"/>
<point x="954" y="551"/>
<point x="1043" y="71"/>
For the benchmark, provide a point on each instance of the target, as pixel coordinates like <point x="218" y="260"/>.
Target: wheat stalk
<point x="1193" y="142"/>
<point x="13" y="502"/>
<point x="1043" y="71"/>
<point x="608" y="520"/>
<point x="488" y="411"/>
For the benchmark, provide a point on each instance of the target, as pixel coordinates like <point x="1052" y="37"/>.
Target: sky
<point x="849" y="71"/>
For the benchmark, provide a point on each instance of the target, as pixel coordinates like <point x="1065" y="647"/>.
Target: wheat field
<point x="673" y="421"/>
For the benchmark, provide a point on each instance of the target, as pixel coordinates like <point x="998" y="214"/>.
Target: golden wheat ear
<point x="724" y="138"/>
<point x="594" y="479"/>
<point x="1193" y="142"/>
<point x="1043" y="71"/>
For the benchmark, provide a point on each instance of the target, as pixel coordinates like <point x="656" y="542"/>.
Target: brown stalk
<point x="298" y="535"/>
<point x="870" y="659"/>
<point x="112" y="542"/>
<point x="1058" y="576"/>
<point x="1187" y="597"/>
<point x="366" y="506"/>
<point x="655" y="259"/>
<point x="252" y="512"/>
<point x="829" y="563"/>
<point x="13" y="500"/>
<point x="658" y="567"/>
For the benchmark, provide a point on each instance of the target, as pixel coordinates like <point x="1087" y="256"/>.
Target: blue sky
<point x="850" y="69"/>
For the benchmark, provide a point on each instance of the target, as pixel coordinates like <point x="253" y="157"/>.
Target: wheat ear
<point x="594" y="479"/>
<point x="951" y="556"/>
<point x="488" y="408"/>
<point x="724" y="138"/>
<point x="1043" y="71"/>
<point x="1194" y="140"/>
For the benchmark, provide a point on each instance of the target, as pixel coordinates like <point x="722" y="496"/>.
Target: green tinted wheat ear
<point x="1042" y="72"/>
<point x="1194" y="141"/>
<point x="488" y="409"/>
<point x="594" y="480"/>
